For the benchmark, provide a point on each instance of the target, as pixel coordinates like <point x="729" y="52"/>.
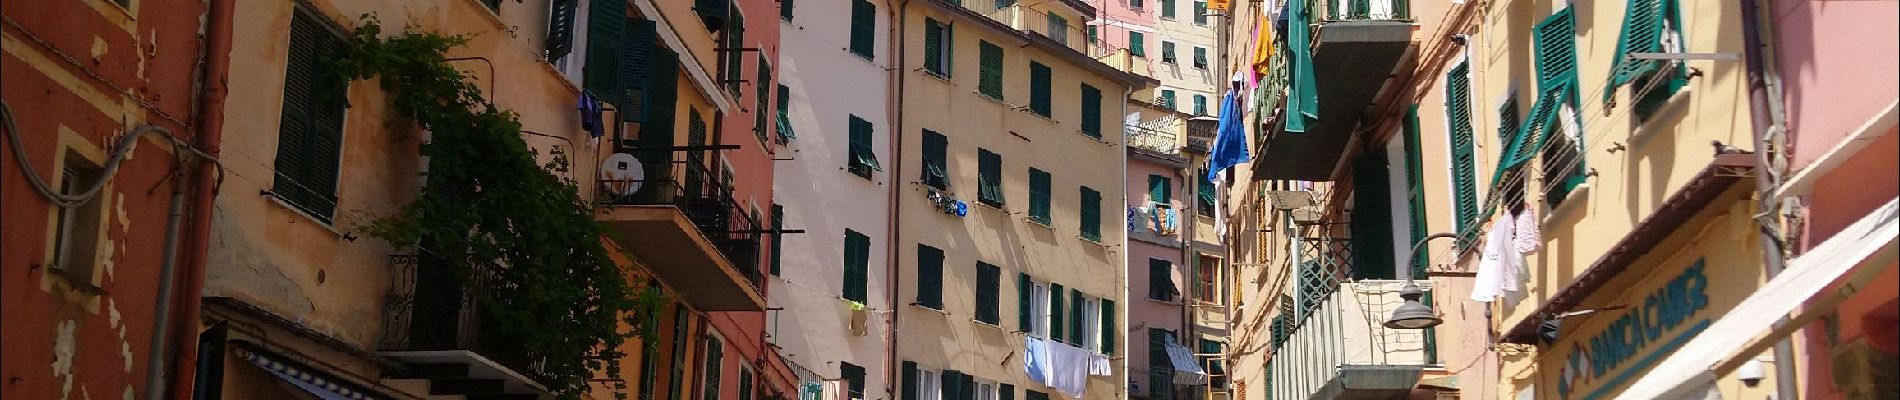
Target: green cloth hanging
<point x="1302" y="106"/>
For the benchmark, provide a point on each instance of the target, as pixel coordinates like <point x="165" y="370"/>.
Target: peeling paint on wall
<point x="64" y="344"/>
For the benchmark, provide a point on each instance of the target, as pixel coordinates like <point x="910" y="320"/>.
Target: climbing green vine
<point x="549" y="293"/>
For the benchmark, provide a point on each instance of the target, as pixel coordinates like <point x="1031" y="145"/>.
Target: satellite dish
<point x="621" y="174"/>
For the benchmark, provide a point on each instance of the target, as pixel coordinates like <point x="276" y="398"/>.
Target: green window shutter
<point x="778" y="238"/>
<point x="763" y="95"/>
<point x="1200" y="59"/>
<point x="785" y="10"/>
<point x="1025" y="313"/>
<point x="1557" y="50"/>
<point x="854" y="379"/>
<point x="1094" y="35"/>
<point x="1167" y="8"/>
<point x="1372" y="218"/>
<point x="745" y="384"/>
<point x="862" y="159"/>
<point x="1200" y="102"/>
<point x="1160" y="189"/>
<point x="989" y="177"/>
<point x="638" y="58"/>
<point x="909" y="381"/>
<point x="1167" y="52"/>
<point x="605" y="41"/>
<point x="1135" y="46"/>
<point x="785" y="132"/>
<point x="950" y="383"/>
<point x="715" y="357"/>
<point x="711" y="12"/>
<point x="1058" y="28"/>
<point x="1077" y="332"/>
<point x="1034" y="395"/>
<point x="933" y="46"/>
<point x="1463" y="149"/>
<point x="560" y="28"/>
<point x="1091" y="214"/>
<point x="1213" y="363"/>
<point x="1161" y="280"/>
<point x="1200" y="12"/>
<point x="662" y="104"/>
<point x="857" y="252"/>
<point x="1415" y="189"/>
<point x="1039" y="89"/>
<point x="1006" y="392"/>
<point x="990" y="78"/>
<point x="929" y="277"/>
<point x="863" y="28"/>
<point x="989" y="293"/>
<point x="935" y="173"/>
<point x="311" y="126"/>
<point x="1039" y="196"/>
<point x="1108" y="327"/>
<point x="1642" y="33"/>
<point x="1055" y="311"/>
<point x="1167" y="99"/>
<point x="1204" y="200"/>
<point x="733" y="37"/>
<point x="1136" y="4"/>
<point x="1091" y="111"/>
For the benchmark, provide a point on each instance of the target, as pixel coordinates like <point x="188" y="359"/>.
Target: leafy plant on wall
<point x="487" y="205"/>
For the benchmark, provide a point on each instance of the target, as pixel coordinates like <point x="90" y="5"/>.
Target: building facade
<point x="101" y="245"/>
<point x="1174" y="269"/>
<point x="1006" y="251"/>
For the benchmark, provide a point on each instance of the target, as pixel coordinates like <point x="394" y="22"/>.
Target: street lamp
<point x="1413" y="314"/>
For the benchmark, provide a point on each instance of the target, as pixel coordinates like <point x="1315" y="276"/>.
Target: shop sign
<point x="1645" y="333"/>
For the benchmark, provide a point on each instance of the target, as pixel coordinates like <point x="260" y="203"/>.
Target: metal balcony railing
<point x="1153" y="140"/>
<point x="1034" y="16"/>
<point x="1336" y="323"/>
<point x="706" y="198"/>
<point x="1200" y="135"/>
<point x="432" y="305"/>
<point x="1360" y="10"/>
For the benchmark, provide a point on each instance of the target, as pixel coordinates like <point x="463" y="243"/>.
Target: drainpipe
<point x="216" y="66"/>
<point x="894" y="111"/>
<point x="1770" y="121"/>
<point x="1128" y="307"/>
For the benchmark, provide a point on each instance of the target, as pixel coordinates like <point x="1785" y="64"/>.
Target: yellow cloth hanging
<point x="1263" y="45"/>
<point x="1222" y="5"/>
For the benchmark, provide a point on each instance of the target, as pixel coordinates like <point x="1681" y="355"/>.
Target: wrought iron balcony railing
<point x="706" y="198"/>
<point x="434" y="306"/>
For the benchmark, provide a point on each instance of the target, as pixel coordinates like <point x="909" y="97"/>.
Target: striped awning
<point x="317" y="383"/>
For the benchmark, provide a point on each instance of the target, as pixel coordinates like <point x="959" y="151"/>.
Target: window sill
<point x="1571" y="202"/>
<point x="868" y="59"/>
<point x="328" y="226"/>
<point x="1033" y="221"/>
<point x="980" y="323"/>
<point x="934" y="75"/>
<point x="73" y="284"/>
<point x="996" y="205"/>
<point x="921" y="306"/>
<point x="1096" y="241"/>
<point x="1167" y="302"/>
<point x="1645" y="129"/>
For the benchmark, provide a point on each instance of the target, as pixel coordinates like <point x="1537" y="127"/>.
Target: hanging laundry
<point x="590" y="116"/>
<point x="1036" y="359"/>
<point x="1187" y="367"/>
<point x="859" y="318"/>
<point x="1499" y="262"/>
<point x="1099" y="365"/>
<point x="1132" y="219"/>
<point x="1527" y="238"/>
<point x="1068" y="369"/>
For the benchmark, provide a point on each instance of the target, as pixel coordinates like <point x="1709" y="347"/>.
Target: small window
<point x="929" y="386"/>
<point x="745" y="382"/>
<point x="853" y="376"/>
<point x="1039" y="196"/>
<point x="1058" y="28"/>
<point x="1200" y="59"/>
<point x="714" y="362"/>
<point x="1091" y="111"/>
<point x="1039" y="309"/>
<point x="1161" y="280"/>
<point x="929" y="277"/>
<point x="857" y="257"/>
<point x="990" y="77"/>
<point x="862" y="160"/>
<point x="1206" y="274"/>
<point x="935" y="171"/>
<point x="938" y="41"/>
<point x="1200" y="102"/>
<point x="1200" y="12"/>
<point x="1167" y="52"/>
<point x="1091" y="212"/>
<point x="1167" y="9"/>
<point x="76" y="235"/>
<point x="1160" y="190"/>
<point x="1167" y="99"/>
<point x="1135" y="46"/>
<point x="989" y="177"/>
<point x="863" y="28"/>
<point x="785" y="10"/>
<point x="989" y="281"/>
<point x="310" y="127"/>
<point x="1039" y="101"/>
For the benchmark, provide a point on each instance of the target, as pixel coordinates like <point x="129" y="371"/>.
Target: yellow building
<point x="1006" y="181"/>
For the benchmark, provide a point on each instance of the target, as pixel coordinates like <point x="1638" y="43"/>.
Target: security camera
<point x="1750" y="373"/>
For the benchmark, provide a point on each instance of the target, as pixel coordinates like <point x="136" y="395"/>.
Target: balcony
<point x="1152" y="140"/>
<point x="1036" y="17"/>
<point x="1200" y="135"/>
<point x="1330" y="344"/>
<point x="434" y="327"/>
<point x="1356" y="44"/>
<point x="682" y="223"/>
<point x="1121" y="59"/>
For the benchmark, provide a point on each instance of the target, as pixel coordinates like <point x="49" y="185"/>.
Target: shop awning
<point x="316" y="383"/>
<point x="1858" y="253"/>
<point x="1187" y="368"/>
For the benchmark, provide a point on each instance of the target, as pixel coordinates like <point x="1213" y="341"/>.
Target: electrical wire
<point x="125" y="146"/>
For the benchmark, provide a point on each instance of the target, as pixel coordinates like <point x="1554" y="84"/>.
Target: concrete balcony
<point x="1356" y="44"/>
<point x="1338" y="349"/>
<point x="682" y="223"/>
<point x="1121" y="59"/>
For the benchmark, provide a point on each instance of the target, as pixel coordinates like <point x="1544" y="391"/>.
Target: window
<point x="560" y="39"/>
<point x="778" y="237"/>
<point x="1161" y="280"/>
<point x="785" y="10"/>
<point x="677" y="382"/>
<point x="493" y="5"/>
<point x="989" y="293"/>
<point x="745" y="382"/>
<point x="732" y="38"/>
<point x="1091" y="111"/>
<point x="1134" y="4"/>
<point x="1649" y="26"/>
<point x="1055" y="311"/>
<point x="1108" y="327"/>
<point x="76" y="231"/>
<point x="1167" y="99"/>
<point x="1032" y="305"/>
<point x="1039" y="89"/>
<point x="990" y="78"/>
<point x="928" y="385"/>
<point x="1091" y="325"/>
<point x="1039" y="196"/>
<point x="785" y="134"/>
<point x="1135" y="46"/>
<point x="1371" y="224"/>
<point x="935" y="172"/>
<point x="714" y="362"/>
<point x="938" y="45"/>
<point x="989" y="176"/>
<point x="1200" y="12"/>
<point x="1463" y="150"/>
<point x="853" y="376"/>
<point x="1058" y="28"/>
<point x="863" y="28"/>
<point x="862" y="160"/>
<point x="1167" y="52"/>
<point x="956" y="385"/>
<point x="1094" y="35"/>
<point x="1200" y="61"/>
<point x="1091" y="214"/>
<point x="929" y="277"/>
<point x="985" y="390"/>
<point x="764" y="96"/>
<point x="1204" y="198"/>
<point x="1078" y="318"/>
<point x="1160" y="368"/>
<point x="1200" y="102"/>
<point x="1034" y="395"/>
<point x="1218" y="380"/>
<point x="857" y="255"/>
<point x="310" y="129"/>
<point x="1167" y="9"/>
<point x="1160" y="190"/>
<point x="1206" y="270"/>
